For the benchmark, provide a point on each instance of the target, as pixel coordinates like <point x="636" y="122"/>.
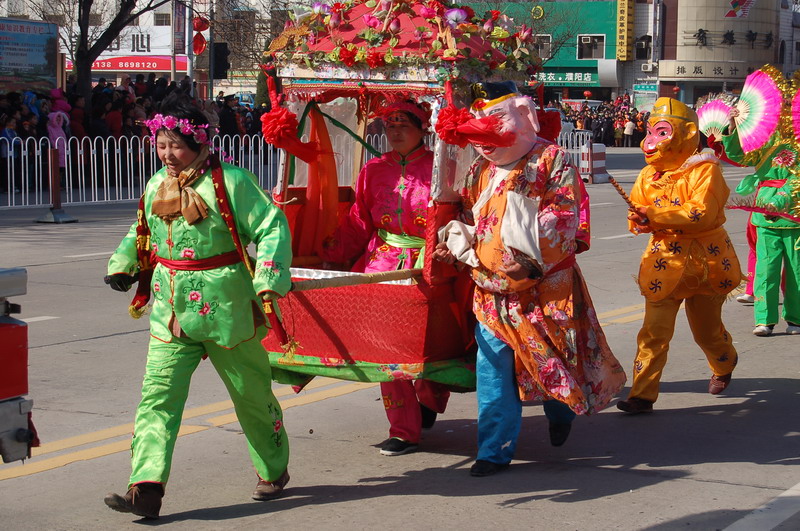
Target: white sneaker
<point x="793" y="329"/>
<point x="745" y="298"/>
<point x="764" y="331"/>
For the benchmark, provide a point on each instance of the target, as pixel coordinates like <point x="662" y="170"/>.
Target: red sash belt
<point x="772" y="183"/>
<point x="224" y="259"/>
<point x="563" y="264"/>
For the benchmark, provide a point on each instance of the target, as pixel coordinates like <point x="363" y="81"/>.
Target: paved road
<point x="698" y="462"/>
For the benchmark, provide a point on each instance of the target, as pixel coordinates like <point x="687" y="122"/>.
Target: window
<point x="162" y="19"/>
<point x="643" y="47"/>
<point x="542" y="44"/>
<point x="797" y="53"/>
<point x="591" y="46"/>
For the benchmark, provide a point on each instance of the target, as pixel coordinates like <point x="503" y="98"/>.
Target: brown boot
<point x="269" y="490"/>
<point x="634" y="406"/>
<point x="717" y="384"/>
<point x="142" y="499"/>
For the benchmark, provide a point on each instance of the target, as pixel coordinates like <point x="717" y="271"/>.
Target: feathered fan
<point x="759" y="108"/>
<point x="713" y="117"/>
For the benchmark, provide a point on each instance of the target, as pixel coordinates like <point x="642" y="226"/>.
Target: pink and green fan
<point x="759" y="109"/>
<point x="712" y="117"/>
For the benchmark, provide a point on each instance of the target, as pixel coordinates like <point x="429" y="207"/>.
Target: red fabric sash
<point x="204" y="264"/>
<point x="772" y="183"/>
<point x="563" y="264"/>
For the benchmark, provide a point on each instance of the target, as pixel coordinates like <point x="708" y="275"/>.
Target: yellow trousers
<point x="704" y="313"/>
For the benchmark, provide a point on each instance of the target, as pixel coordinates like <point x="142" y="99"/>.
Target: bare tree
<point x="248" y="26"/>
<point x="90" y="27"/>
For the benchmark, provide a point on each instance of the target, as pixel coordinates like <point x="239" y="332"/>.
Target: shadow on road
<point x="607" y="454"/>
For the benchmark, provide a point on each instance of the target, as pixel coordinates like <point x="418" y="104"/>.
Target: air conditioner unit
<point x="648" y="67"/>
<point x="586" y="40"/>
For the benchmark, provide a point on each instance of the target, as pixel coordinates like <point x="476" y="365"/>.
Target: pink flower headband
<point x="198" y="132"/>
<point x="410" y="108"/>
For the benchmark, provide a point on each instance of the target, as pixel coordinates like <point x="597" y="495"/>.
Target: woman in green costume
<point x="196" y="217"/>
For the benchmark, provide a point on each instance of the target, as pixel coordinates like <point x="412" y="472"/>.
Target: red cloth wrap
<point x="204" y="264"/>
<point x="549" y="124"/>
<point x="457" y="126"/>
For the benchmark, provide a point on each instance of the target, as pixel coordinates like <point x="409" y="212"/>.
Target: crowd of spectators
<point x="113" y="111"/>
<point x="613" y="123"/>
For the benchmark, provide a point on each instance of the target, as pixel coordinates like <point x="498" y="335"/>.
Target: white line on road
<point x="601" y="204"/>
<point x="40" y="318"/>
<point x="772" y="513"/>
<point x="618" y="236"/>
<point x="104" y="253"/>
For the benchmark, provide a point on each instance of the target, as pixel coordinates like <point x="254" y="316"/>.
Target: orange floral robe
<point x="560" y="349"/>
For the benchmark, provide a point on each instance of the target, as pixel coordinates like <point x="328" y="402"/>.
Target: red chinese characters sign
<point x="137" y="63"/>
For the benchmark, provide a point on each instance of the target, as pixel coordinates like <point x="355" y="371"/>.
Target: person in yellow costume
<point x="679" y="199"/>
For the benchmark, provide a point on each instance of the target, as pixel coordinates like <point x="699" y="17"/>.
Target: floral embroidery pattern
<point x="269" y="269"/>
<point x="188" y="253"/>
<point x="784" y="159"/>
<point x="277" y="424"/>
<point x="483" y="229"/>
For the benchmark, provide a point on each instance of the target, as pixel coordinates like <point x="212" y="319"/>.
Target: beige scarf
<point x="175" y="196"/>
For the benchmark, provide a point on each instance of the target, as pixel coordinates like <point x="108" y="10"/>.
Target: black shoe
<point x="559" y="432"/>
<point x="396" y="446"/>
<point x="428" y="417"/>
<point x="634" y="406"/>
<point x="483" y="468"/>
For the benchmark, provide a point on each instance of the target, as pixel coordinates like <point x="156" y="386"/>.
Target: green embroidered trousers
<point x="246" y="373"/>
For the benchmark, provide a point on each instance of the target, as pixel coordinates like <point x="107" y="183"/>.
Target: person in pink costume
<point x="56" y="124"/>
<point x="384" y="231"/>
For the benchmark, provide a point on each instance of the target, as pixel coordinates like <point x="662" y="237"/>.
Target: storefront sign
<point x="723" y="71"/>
<point x="134" y="63"/>
<point x="625" y="30"/>
<point x="645" y="88"/>
<point x="569" y="79"/>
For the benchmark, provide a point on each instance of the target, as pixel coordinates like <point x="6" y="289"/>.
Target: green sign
<point x="645" y="88"/>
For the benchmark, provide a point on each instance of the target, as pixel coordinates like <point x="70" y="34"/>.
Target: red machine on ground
<point x="17" y="434"/>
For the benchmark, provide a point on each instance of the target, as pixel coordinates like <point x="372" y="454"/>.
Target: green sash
<point x="404" y="241"/>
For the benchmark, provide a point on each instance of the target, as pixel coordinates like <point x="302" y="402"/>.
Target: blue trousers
<point x="499" y="405"/>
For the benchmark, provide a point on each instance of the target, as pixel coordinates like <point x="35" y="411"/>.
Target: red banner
<point x="137" y="63"/>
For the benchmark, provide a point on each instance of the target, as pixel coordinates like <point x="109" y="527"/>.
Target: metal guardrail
<point x="107" y="170"/>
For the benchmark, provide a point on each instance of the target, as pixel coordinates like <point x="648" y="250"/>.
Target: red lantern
<point x="200" y="24"/>
<point x="199" y="43"/>
<point x="587" y="94"/>
<point x="676" y="89"/>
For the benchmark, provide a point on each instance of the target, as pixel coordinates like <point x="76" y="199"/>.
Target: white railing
<point x="105" y="170"/>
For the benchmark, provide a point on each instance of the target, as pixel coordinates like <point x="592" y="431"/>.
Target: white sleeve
<point x="459" y="238"/>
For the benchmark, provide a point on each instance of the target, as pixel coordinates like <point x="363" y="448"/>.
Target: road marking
<point x="621" y="311"/>
<point x="104" y="253"/>
<point x="771" y="514"/>
<point x="601" y="204"/>
<point x="51" y="463"/>
<point x="40" y="318"/>
<point x="117" y="431"/>
<point x="629" y="235"/>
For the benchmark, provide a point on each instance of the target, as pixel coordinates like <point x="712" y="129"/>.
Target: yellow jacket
<point x="689" y="251"/>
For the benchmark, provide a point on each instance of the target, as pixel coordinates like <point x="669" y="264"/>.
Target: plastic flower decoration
<point x="199" y="133"/>
<point x="455" y="16"/>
